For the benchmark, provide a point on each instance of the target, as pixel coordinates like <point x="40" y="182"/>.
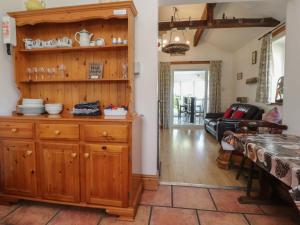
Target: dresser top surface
<point x="68" y="117"/>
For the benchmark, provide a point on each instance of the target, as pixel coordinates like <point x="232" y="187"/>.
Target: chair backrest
<point x="252" y="126"/>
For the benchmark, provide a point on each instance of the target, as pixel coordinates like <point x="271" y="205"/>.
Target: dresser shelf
<point x="83" y="81"/>
<point x="74" y="49"/>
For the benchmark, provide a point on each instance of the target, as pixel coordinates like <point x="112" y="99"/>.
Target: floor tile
<point x="6" y="209"/>
<point x="171" y="216"/>
<point x="77" y="216"/>
<point x="269" y="220"/>
<point x="161" y="197"/>
<point x="37" y="214"/>
<point x="227" y="201"/>
<point x="192" y="198"/>
<point x="278" y="210"/>
<point x="220" y="218"/>
<point x="142" y="218"/>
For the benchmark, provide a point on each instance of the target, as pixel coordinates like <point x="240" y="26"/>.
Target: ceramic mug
<point x="120" y="41"/>
<point x="66" y="42"/>
<point x="51" y="43"/>
<point x="38" y="43"/>
<point x="100" y="42"/>
<point x="28" y="43"/>
<point x="92" y="43"/>
<point x="114" y="40"/>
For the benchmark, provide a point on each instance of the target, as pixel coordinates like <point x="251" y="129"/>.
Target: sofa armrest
<point x="214" y="115"/>
<point x="226" y="125"/>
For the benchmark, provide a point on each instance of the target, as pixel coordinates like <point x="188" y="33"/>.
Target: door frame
<point x="187" y="67"/>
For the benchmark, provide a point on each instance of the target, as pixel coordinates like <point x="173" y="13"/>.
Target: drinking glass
<point x="62" y="70"/>
<point x="29" y="73"/>
<point x="125" y="70"/>
<point x="35" y="71"/>
<point x="41" y="72"/>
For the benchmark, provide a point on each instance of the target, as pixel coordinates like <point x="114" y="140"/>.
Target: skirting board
<point x="150" y="182"/>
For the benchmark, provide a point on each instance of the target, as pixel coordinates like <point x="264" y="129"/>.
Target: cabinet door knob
<point x="104" y="134"/>
<point x="14" y="130"/>
<point x="104" y="147"/>
<point x="86" y="155"/>
<point x="74" y="155"/>
<point x="29" y="153"/>
<point x="57" y="132"/>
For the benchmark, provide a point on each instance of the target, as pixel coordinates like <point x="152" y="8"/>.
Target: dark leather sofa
<point x="216" y="125"/>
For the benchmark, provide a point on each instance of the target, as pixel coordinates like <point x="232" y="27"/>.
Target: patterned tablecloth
<point x="277" y="154"/>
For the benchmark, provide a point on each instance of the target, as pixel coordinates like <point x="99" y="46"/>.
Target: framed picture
<point x="95" y="71"/>
<point x="239" y="76"/>
<point x="254" y="57"/>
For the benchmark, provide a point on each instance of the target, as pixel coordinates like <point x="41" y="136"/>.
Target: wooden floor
<point x="189" y="156"/>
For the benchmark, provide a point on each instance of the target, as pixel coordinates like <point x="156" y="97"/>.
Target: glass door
<point x="189" y="97"/>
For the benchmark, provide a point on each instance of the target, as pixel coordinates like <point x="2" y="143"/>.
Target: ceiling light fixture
<point x="176" y="47"/>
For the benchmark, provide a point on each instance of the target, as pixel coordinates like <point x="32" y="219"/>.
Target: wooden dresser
<point x="82" y="161"/>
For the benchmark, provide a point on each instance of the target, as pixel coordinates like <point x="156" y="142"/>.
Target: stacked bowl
<point x="31" y="107"/>
<point x="54" y="109"/>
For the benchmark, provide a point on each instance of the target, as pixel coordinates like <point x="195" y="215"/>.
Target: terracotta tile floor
<point x="170" y="205"/>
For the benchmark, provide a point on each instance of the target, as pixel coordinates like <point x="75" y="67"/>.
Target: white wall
<point x="9" y="92"/>
<point x="291" y="106"/>
<point x="146" y="82"/>
<point x="203" y="52"/>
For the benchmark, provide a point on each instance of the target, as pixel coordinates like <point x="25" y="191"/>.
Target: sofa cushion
<point x="228" y="113"/>
<point x="238" y="114"/>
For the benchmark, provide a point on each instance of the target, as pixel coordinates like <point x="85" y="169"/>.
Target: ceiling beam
<point x="208" y="14"/>
<point x="219" y="23"/>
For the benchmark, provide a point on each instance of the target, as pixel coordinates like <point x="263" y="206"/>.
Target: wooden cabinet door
<point x="106" y="174"/>
<point x="59" y="166"/>
<point x="18" y="168"/>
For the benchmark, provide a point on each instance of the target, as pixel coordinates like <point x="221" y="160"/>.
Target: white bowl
<point x="55" y="105"/>
<point x="53" y="111"/>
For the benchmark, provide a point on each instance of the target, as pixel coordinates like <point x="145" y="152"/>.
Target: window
<point x="278" y="63"/>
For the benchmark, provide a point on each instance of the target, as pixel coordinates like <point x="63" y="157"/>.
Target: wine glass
<point x="35" y="71"/>
<point x="29" y="73"/>
<point x="62" y="70"/>
<point x="41" y="72"/>
<point x="125" y="70"/>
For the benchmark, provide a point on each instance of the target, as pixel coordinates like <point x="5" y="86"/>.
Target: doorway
<point x="189" y="91"/>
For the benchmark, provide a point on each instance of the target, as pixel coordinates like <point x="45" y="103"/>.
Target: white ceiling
<point x="234" y="38"/>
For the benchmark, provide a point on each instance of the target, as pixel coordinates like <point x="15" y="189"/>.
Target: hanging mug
<point x="100" y="42"/>
<point x="28" y="43"/>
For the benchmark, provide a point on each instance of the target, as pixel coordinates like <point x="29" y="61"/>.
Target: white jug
<point x="84" y="37"/>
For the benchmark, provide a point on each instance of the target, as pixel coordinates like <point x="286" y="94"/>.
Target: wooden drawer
<point x="107" y="133"/>
<point x="58" y="131"/>
<point x="16" y="130"/>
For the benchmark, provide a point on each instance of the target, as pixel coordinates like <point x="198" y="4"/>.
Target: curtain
<point x="164" y="94"/>
<point x="214" y="101"/>
<point x="264" y="76"/>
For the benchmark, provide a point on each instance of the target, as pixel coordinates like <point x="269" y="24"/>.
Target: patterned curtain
<point x="164" y="94"/>
<point x="263" y="88"/>
<point x="215" y="71"/>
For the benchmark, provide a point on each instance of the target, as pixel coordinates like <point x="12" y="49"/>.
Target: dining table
<point x="276" y="154"/>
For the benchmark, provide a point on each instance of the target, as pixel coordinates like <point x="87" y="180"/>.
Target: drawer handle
<point x="104" y="134"/>
<point x="104" y="147"/>
<point x="57" y="132"/>
<point x="86" y="155"/>
<point x="14" y="130"/>
<point x="74" y="155"/>
<point x="29" y="153"/>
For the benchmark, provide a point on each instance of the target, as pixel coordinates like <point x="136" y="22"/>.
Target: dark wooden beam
<point x="208" y="14"/>
<point x="220" y="23"/>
